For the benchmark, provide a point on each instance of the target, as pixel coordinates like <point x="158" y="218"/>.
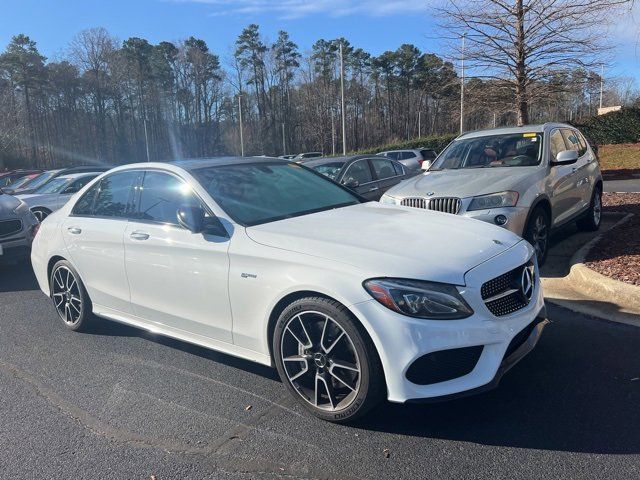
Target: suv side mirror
<point x="194" y="220"/>
<point x="566" y="157"/>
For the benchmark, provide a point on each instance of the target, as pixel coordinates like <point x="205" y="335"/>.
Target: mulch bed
<point x="617" y="255"/>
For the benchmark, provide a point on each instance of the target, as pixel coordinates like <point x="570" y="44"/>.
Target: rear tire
<point x="537" y="233"/>
<point x="591" y="221"/>
<point x="69" y="297"/>
<point x="326" y="360"/>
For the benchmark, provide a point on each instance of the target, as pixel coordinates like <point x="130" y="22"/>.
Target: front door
<point x="359" y="172"/>
<point x="177" y="278"/>
<point x="562" y="182"/>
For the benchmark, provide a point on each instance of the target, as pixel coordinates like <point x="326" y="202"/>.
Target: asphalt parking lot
<point x="121" y="403"/>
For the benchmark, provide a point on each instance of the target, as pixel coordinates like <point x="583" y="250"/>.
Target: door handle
<point x="373" y="189"/>
<point x="139" y="236"/>
<point x="74" y="230"/>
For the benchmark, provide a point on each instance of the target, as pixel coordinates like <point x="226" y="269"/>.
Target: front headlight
<point x="494" y="200"/>
<point x="417" y="298"/>
<point x="387" y="199"/>
<point x="21" y="209"/>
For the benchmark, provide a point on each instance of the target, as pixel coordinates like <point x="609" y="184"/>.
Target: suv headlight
<point x="494" y="200"/>
<point x="417" y="298"/>
<point x="21" y="209"/>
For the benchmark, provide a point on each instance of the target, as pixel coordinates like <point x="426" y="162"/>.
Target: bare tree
<point x="525" y="42"/>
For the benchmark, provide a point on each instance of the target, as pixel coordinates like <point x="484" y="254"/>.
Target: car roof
<point x="538" y="128"/>
<point x="400" y="150"/>
<point x="344" y="159"/>
<point x="194" y="163"/>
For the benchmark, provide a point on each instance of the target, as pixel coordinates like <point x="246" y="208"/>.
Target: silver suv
<point x="528" y="179"/>
<point x="18" y="226"/>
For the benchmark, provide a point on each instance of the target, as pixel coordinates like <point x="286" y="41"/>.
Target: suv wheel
<point x="69" y="296"/>
<point x="591" y="221"/>
<point x="537" y="233"/>
<point x="325" y="361"/>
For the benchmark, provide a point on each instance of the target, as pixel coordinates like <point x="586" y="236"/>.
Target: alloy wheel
<point x="540" y="235"/>
<point x="66" y="295"/>
<point x="597" y="208"/>
<point x="320" y="361"/>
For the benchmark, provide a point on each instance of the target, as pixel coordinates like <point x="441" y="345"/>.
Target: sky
<point x="374" y="25"/>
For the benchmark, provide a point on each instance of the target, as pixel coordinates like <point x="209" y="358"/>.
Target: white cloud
<point x="291" y="9"/>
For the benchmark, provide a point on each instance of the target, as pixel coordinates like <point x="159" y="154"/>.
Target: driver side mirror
<point x="194" y="220"/>
<point x="566" y="157"/>
<point x="351" y="183"/>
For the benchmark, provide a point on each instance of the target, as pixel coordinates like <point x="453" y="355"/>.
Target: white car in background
<point x="56" y="193"/>
<point x="270" y="261"/>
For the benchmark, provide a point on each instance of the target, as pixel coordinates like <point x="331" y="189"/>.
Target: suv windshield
<point x="507" y="150"/>
<point x="265" y="192"/>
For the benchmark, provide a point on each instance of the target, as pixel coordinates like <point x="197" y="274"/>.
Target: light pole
<point x="240" y="118"/>
<point x="344" y="127"/>
<point x="462" y="87"/>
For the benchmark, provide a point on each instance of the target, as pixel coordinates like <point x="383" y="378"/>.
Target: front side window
<point x="491" y="151"/>
<point x="556" y="144"/>
<point x="114" y="195"/>
<point x="84" y="206"/>
<point x="383" y="168"/>
<point x="258" y="193"/>
<point x="331" y="170"/>
<point x="54" y="186"/>
<point x="407" y="155"/>
<point x="162" y="195"/>
<point x="359" y="172"/>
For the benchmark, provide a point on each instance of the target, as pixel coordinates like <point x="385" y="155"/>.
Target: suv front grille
<point x="10" y="227"/>
<point x="510" y="292"/>
<point x="444" y="204"/>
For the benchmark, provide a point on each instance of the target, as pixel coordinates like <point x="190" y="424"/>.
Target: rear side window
<point x="428" y="154"/>
<point x="556" y="144"/>
<point x="572" y="141"/>
<point x="398" y="168"/>
<point x="394" y="155"/>
<point x="162" y="195"/>
<point x="114" y="195"/>
<point x="383" y="168"/>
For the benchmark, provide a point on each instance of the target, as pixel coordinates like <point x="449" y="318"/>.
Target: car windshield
<point x="23" y="181"/>
<point x="331" y="170"/>
<point x="507" y="150"/>
<point x="54" y="186"/>
<point x="39" y="180"/>
<point x="258" y="193"/>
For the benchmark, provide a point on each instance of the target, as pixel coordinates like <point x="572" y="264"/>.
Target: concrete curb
<point x="601" y="287"/>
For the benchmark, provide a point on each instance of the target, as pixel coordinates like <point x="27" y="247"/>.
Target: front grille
<point x="506" y="294"/>
<point x="10" y="227"/>
<point x="444" y="365"/>
<point x="444" y="204"/>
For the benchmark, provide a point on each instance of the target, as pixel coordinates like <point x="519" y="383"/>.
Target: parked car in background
<point x="268" y="261"/>
<point x="287" y="157"/>
<point x="18" y="226"/>
<point x="55" y="193"/>
<point x="16" y="184"/>
<point x="411" y="158"/>
<point x="367" y="175"/>
<point x="44" y="178"/>
<point x="302" y="156"/>
<point x="529" y="180"/>
<point x="11" y="176"/>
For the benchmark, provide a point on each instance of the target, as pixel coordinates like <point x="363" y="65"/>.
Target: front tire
<point x="537" y="233"/>
<point x="41" y="213"/>
<point x="591" y="221"/>
<point x="69" y="297"/>
<point x="326" y="360"/>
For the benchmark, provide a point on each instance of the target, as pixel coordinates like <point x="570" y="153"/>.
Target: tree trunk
<point x="522" y="102"/>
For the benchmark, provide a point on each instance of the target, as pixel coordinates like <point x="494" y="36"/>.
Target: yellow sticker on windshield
<point x="529" y="135"/>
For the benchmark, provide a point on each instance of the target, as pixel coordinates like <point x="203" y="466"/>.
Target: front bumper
<point x="516" y="217"/>
<point x="18" y="246"/>
<point x="500" y="341"/>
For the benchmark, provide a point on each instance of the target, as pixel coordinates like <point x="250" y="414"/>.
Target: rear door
<point x="387" y="172"/>
<point x="93" y="234"/>
<point x="177" y="278"/>
<point x="360" y="172"/>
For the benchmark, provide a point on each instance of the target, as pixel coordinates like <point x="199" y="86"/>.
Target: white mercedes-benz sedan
<point x="267" y="260"/>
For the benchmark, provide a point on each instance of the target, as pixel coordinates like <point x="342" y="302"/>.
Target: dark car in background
<point x="12" y="176"/>
<point x="368" y="175"/>
<point x="45" y="177"/>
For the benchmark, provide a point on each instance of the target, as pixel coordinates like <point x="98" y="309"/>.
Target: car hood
<point x="464" y="182"/>
<point x="38" y="199"/>
<point x="7" y="206"/>
<point x="391" y="241"/>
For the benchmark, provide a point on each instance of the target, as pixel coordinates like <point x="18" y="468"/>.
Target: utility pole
<point x="146" y="139"/>
<point x="284" y="143"/>
<point x="419" y="124"/>
<point x="601" y="83"/>
<point x="240" y="117"/>
<point x="462" y="87"/>
<point x="344" y="126"/>
<point x="333" y="135"/>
